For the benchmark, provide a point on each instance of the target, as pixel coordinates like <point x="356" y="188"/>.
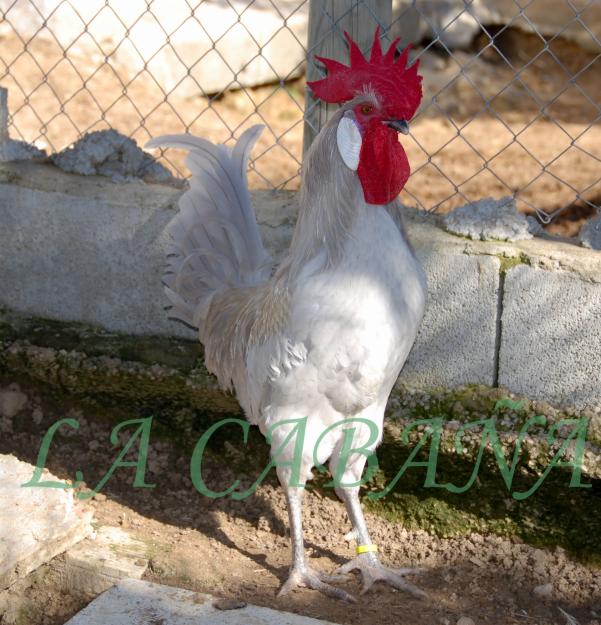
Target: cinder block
<point x="456" y="341"/>
<point x="551" y="336"/>
<point x="81" y="257"/>
<point x="84" y="249"/>
<point x="79" y="248"/>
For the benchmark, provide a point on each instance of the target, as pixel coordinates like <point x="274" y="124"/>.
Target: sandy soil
<point x="484" y="134"/>
<point x="241" y="549"/>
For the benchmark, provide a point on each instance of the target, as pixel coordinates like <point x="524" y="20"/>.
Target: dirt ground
<point x="481" y="132"/>
<point x="241" y="549"/>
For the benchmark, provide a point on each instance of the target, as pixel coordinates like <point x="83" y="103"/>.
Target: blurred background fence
<point x="512" y="87"/>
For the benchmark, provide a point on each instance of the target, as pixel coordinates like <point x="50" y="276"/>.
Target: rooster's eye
<point x="366" y="109"/>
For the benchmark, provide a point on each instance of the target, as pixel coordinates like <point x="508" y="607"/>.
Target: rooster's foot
<point x="372" y="571"/>
<point x="307" y="577"/>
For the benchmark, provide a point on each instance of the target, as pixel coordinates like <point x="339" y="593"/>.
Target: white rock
<point x="456" y="22"/>
<point x="19" y="151"/>
<point x="547" y="18"/>
<point x="534" y="226"/>
<point x="217" y="46"/>
<point x="489" y="219"/>
<point x="211" y="49"/>
<point x="12" y="401"/>
<point x="96" y="564"/>
<point x="112" y="154"/>
<point x="36" y="523"/>
<point x="590" y="235"/>
<point x="544" y="591"/>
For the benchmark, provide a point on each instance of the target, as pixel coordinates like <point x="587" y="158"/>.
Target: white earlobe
<point x="348" y="139"/>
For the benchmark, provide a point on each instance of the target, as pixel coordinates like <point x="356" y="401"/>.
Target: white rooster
<point x="322" y="337"/>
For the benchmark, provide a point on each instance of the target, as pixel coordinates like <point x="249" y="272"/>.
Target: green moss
<point x="27" y="614"/>
<point x="555" y="514"/>
<point x="141" y="375"/>
<point x="507" y="262"/>
<point x="9" y="177"/>
<point x="71" y="336"/>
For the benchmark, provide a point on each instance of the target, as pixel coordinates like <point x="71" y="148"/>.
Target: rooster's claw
<point x="372" y="571"/>
<point x="307" y="577"/>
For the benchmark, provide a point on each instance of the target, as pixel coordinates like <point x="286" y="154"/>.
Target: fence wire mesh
<point x="512" y="87"/>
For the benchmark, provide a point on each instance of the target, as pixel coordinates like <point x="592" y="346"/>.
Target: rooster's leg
<point x="368" y="562"/>
<point x="301" y="575"/>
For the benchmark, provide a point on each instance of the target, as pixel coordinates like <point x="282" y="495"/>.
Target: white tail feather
<point x="216" y="243"/>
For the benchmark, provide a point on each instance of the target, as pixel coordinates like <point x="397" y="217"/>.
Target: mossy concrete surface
<point x="560" y="510"/>
<point x="166" y="378"/>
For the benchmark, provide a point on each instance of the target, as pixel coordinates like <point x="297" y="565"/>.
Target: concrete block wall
<point x="551" y="335"/>
<point x="456" y="341"/>
<point x="526" y="315"/>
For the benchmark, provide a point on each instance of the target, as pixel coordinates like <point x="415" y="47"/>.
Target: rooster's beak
<point x="400" y="125"/>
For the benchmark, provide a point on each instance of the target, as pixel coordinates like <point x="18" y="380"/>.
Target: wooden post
<point x="3" y="115"/>
<point x="328" y="19"/>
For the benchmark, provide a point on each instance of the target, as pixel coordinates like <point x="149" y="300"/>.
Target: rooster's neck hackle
<point x="328" y="201"/>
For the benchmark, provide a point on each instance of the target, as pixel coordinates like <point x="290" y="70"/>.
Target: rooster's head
<point x="380" y="95"/>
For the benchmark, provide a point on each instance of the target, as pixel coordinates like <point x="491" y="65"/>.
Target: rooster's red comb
<point x="397" y="86"/>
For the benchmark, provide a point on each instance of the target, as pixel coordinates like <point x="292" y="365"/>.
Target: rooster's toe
<point x="372" y="571"/>
<point x="307" y="577"/>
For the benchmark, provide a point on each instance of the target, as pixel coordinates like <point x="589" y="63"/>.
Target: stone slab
<point x="101" y="561"/>
<point x="215" y="43"/>
<point x="85" y="249"/>
<point x="36" y="524"/>
<point x="551" y="336"/>
<point x="135" y="602"/>
<point x="92" y="259"/>
<point x="212" y="46"/>
<point x="456" y="24"/>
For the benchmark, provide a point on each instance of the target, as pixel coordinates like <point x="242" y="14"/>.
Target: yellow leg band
<point x="366" y="548"/>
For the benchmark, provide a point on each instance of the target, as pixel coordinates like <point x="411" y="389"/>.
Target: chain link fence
<point x="511" y="87"/>
<point x="150" y="67"/>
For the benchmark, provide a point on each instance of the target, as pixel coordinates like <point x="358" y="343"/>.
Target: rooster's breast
<point x="359" y="319"/>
